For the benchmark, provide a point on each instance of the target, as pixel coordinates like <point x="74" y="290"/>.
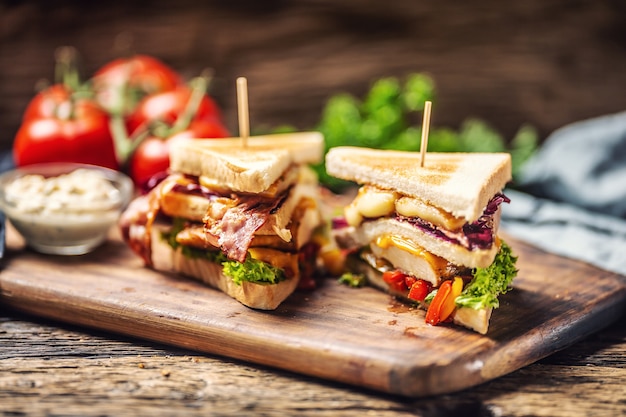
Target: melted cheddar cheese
<point x="436" y="262"/>
<point x="277" y="258"/>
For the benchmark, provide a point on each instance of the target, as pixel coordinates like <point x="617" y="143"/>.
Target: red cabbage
<point x="476" y="235"/>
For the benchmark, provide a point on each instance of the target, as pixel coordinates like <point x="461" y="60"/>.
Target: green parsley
<point x="352" y="280"/>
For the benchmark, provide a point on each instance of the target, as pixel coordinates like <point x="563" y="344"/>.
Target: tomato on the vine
<point x="99" y="122"/>
<point x="123" y="82"/>
<point x="185" y="112"/>
<point x="202" y="129"/>
<point x="168" y="107"/>
<point x="60" y="127"/>
<point x="49" y="102"/>
<point x="151" y="156"/>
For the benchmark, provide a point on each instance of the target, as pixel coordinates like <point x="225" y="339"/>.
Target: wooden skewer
<point x="242" y="104"/>
<point x="425" y="127"/>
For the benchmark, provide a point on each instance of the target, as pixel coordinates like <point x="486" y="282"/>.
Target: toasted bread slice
<point x="253" y="295"/>
<point x="459" y="183"/>
<point x="250" y="169"/>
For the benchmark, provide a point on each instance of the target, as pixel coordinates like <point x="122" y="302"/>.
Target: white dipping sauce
<point x="82" y="191"/>
<point x="69" y="210"/>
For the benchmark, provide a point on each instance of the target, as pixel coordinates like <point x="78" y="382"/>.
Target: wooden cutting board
<point x="355" y="336"/>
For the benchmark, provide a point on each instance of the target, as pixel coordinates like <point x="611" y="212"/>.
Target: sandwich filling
<point x="374" y="203"/>
<point x="413" y="249"/>
<point x="263" y="238"/>
<point x="427" y="228"/>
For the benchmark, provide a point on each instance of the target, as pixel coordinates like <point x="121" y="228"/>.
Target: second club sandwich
<point x="429" y="233"/>
<point x="239" y="217"/>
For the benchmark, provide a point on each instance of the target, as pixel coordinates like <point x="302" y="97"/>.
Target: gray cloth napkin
<point x="570" y="197"/>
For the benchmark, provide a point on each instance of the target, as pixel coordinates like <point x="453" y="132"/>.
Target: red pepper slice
<point x="449" y="304"/>
<point x="443" y="303"/>
<point x="433" y="314"/>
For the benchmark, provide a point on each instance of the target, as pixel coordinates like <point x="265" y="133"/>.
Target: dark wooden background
<point x="543" y="62"/>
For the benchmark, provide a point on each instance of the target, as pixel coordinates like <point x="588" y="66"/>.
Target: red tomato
<point x="419" y="290"/>
<point x="152" y="156"/>
<point x="395" y="279"/>
<point x="168" y="106"/>
<point x="121" y="83"/>
<point x="203" y="129"/>
<point x="409" y="280"/>
<point x="54" y="101"/>
<point x="80" y="133"/>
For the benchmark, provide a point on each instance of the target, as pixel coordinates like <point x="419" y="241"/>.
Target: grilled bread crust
<point x="459" y="183"/>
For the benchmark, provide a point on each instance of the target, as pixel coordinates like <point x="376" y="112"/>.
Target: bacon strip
<point x="241" y="218"/>
<point x="230" y="222"/>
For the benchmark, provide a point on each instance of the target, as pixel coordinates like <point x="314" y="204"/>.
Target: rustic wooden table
<point x="507" y="66"/>
<point x="48" y="368"/>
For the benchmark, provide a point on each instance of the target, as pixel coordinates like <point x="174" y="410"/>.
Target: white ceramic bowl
<point x="60" y="214"/>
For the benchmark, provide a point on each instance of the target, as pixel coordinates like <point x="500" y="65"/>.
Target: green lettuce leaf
<point x="252" y="270"/>
<point x="488" y="283"/>
<point x="178" y="224"/>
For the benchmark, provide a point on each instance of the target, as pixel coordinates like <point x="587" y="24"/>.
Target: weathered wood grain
<point x="48" y="369"/>
<point x="336" y="333"/>
<point x="546" y="63"/>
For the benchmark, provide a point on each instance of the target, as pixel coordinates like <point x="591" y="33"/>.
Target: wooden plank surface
<point x="52" y="369"/>
<point x="359" y="337"/>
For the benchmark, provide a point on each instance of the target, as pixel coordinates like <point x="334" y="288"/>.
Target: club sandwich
<point x="240" y="216"/>
<point x="428" y="234"/>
